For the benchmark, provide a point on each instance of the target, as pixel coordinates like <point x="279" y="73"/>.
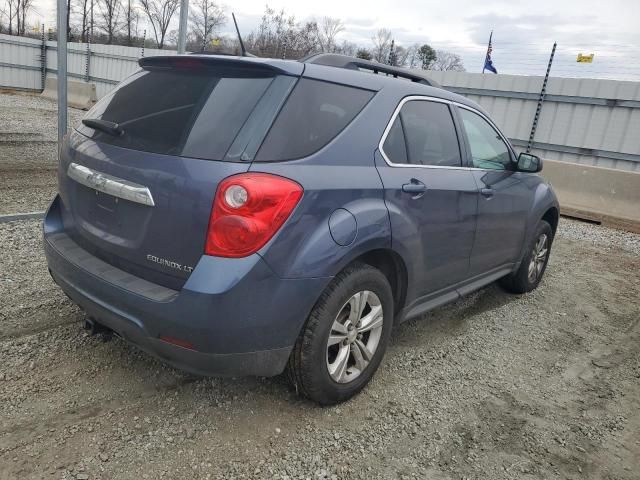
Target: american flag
<point x="488" y="63"/>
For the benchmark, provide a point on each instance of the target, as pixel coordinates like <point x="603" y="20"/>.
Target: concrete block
<point x="595" y="193"/>
<point x="79" y="94"/>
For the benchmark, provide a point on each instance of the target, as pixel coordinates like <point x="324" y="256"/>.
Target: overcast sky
<point x="524" y="31"/>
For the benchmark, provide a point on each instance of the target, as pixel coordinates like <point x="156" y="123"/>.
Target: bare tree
<point x="381" y="45"/>
<point x="206" y="17"/>
<point x="303" y="40"/>
<point x="13" y="9"/>
<point x="278" y="35"/>
<point x="7" y="14"/>
<point x="82" y="18"/>
<point x="447" y="61"/>
<point x="328" y="30"/>
<point x="23" y="13"/>
<point x="407" y="56"/>
<point x="14" y="13"/>
<point x="413" y="56"/>
<point x="69" y="13"/>
<point x="131" y="20"/>
<point x="347" y="48"/>
<point x="159" y="13"/>
<point x="111" y="18"/>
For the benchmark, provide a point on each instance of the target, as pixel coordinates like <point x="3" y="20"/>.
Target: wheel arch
<point x="393" y="268"/>
<point x="552" y="216"/>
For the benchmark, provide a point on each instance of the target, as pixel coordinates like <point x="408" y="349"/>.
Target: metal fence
<point x="586" y="121"/>
<point x="24" y="62"/>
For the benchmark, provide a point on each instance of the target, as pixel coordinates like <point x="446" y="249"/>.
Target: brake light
<point x="248" y="210"/>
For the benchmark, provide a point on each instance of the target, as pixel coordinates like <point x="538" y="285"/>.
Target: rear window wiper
<point x="112" y="128"/>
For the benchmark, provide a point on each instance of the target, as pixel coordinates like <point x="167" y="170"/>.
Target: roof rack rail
<point x="353" y="63"/>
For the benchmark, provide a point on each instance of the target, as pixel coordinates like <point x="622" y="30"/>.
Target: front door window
<point x="488" y="150"/>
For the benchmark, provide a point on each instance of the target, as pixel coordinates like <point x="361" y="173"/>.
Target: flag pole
<point x="543" y="92"/>
<point x="484" y="62"/>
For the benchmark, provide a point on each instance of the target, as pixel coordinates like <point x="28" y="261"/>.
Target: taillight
<point x="248" y="210"/>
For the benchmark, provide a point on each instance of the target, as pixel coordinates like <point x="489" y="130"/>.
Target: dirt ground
<point x="496" y="386"/>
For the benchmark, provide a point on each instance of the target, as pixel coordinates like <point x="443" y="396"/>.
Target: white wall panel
<point x="591" y="126"/>
<point x="563" y="123"/>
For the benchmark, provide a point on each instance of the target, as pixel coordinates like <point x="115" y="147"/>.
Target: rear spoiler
<point x="237" y="65"/>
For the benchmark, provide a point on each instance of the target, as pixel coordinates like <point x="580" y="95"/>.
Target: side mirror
<point x="529" y="163"/>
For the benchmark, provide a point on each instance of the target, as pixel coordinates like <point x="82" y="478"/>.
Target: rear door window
<point x="395" y="146"/>
<point x="423" y="133"/>
<point x="315" y="113"/>
<point x="193" y="113"/>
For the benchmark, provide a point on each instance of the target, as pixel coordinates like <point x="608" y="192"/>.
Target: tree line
<point x="278" y="35"/>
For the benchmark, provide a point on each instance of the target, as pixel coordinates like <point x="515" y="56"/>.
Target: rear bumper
<point x="240" y="318"/>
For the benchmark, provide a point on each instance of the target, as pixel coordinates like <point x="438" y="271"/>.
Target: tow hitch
<point x="94" y="328"/>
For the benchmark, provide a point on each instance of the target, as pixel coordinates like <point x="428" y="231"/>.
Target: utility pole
<point x="62" y="70"/>
<point x="182" y="29"/>
<point x="543" y="92"/>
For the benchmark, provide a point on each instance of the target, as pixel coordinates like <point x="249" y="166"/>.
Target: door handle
<point x="487" y="192"/>
<point x="416" y="187"/>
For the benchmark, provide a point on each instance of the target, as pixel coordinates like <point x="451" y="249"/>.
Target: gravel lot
<point x="497" y="386"/>
<point x="28" y="157"/>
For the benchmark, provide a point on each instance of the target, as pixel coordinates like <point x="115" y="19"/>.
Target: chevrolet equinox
<point x="245" y="216"/>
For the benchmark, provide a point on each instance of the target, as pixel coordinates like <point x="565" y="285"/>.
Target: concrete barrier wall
<point x="595" y="193"/>
<point x="79" y="94"/>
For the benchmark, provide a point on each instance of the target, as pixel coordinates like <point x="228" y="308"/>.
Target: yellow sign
<point x="585" y="58"/>
<point x="215" y="42"/>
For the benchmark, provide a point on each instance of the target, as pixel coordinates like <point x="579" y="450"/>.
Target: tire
<point x="314" y="366"/>
<point x="523" y="280"/>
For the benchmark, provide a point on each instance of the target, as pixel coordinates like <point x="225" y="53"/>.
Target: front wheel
<point x="534" y="262"/>
<point x="344" y="339"/>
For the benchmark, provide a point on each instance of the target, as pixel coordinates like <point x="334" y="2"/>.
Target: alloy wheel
<point x="538" y="257"/>
<point x="354" y="337"/>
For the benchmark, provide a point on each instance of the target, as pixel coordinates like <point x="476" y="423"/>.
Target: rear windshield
<point x="194" y="114"/>
<point x="315" y="113"/>
<point x="220" y="116"/>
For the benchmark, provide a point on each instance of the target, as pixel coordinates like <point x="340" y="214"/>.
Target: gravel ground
<point x="28" y="157"/>
<point x="496" y="386"/>
<point x="545" y="385"/>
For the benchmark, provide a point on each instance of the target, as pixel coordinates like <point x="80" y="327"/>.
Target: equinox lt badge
<point x="168" y="263"/>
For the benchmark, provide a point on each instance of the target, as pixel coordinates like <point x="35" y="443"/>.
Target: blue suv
<point x="245" y="216"/>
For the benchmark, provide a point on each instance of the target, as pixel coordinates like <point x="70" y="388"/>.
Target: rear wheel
<point x="534" y="262"/>
<point x="344" y="339"/>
